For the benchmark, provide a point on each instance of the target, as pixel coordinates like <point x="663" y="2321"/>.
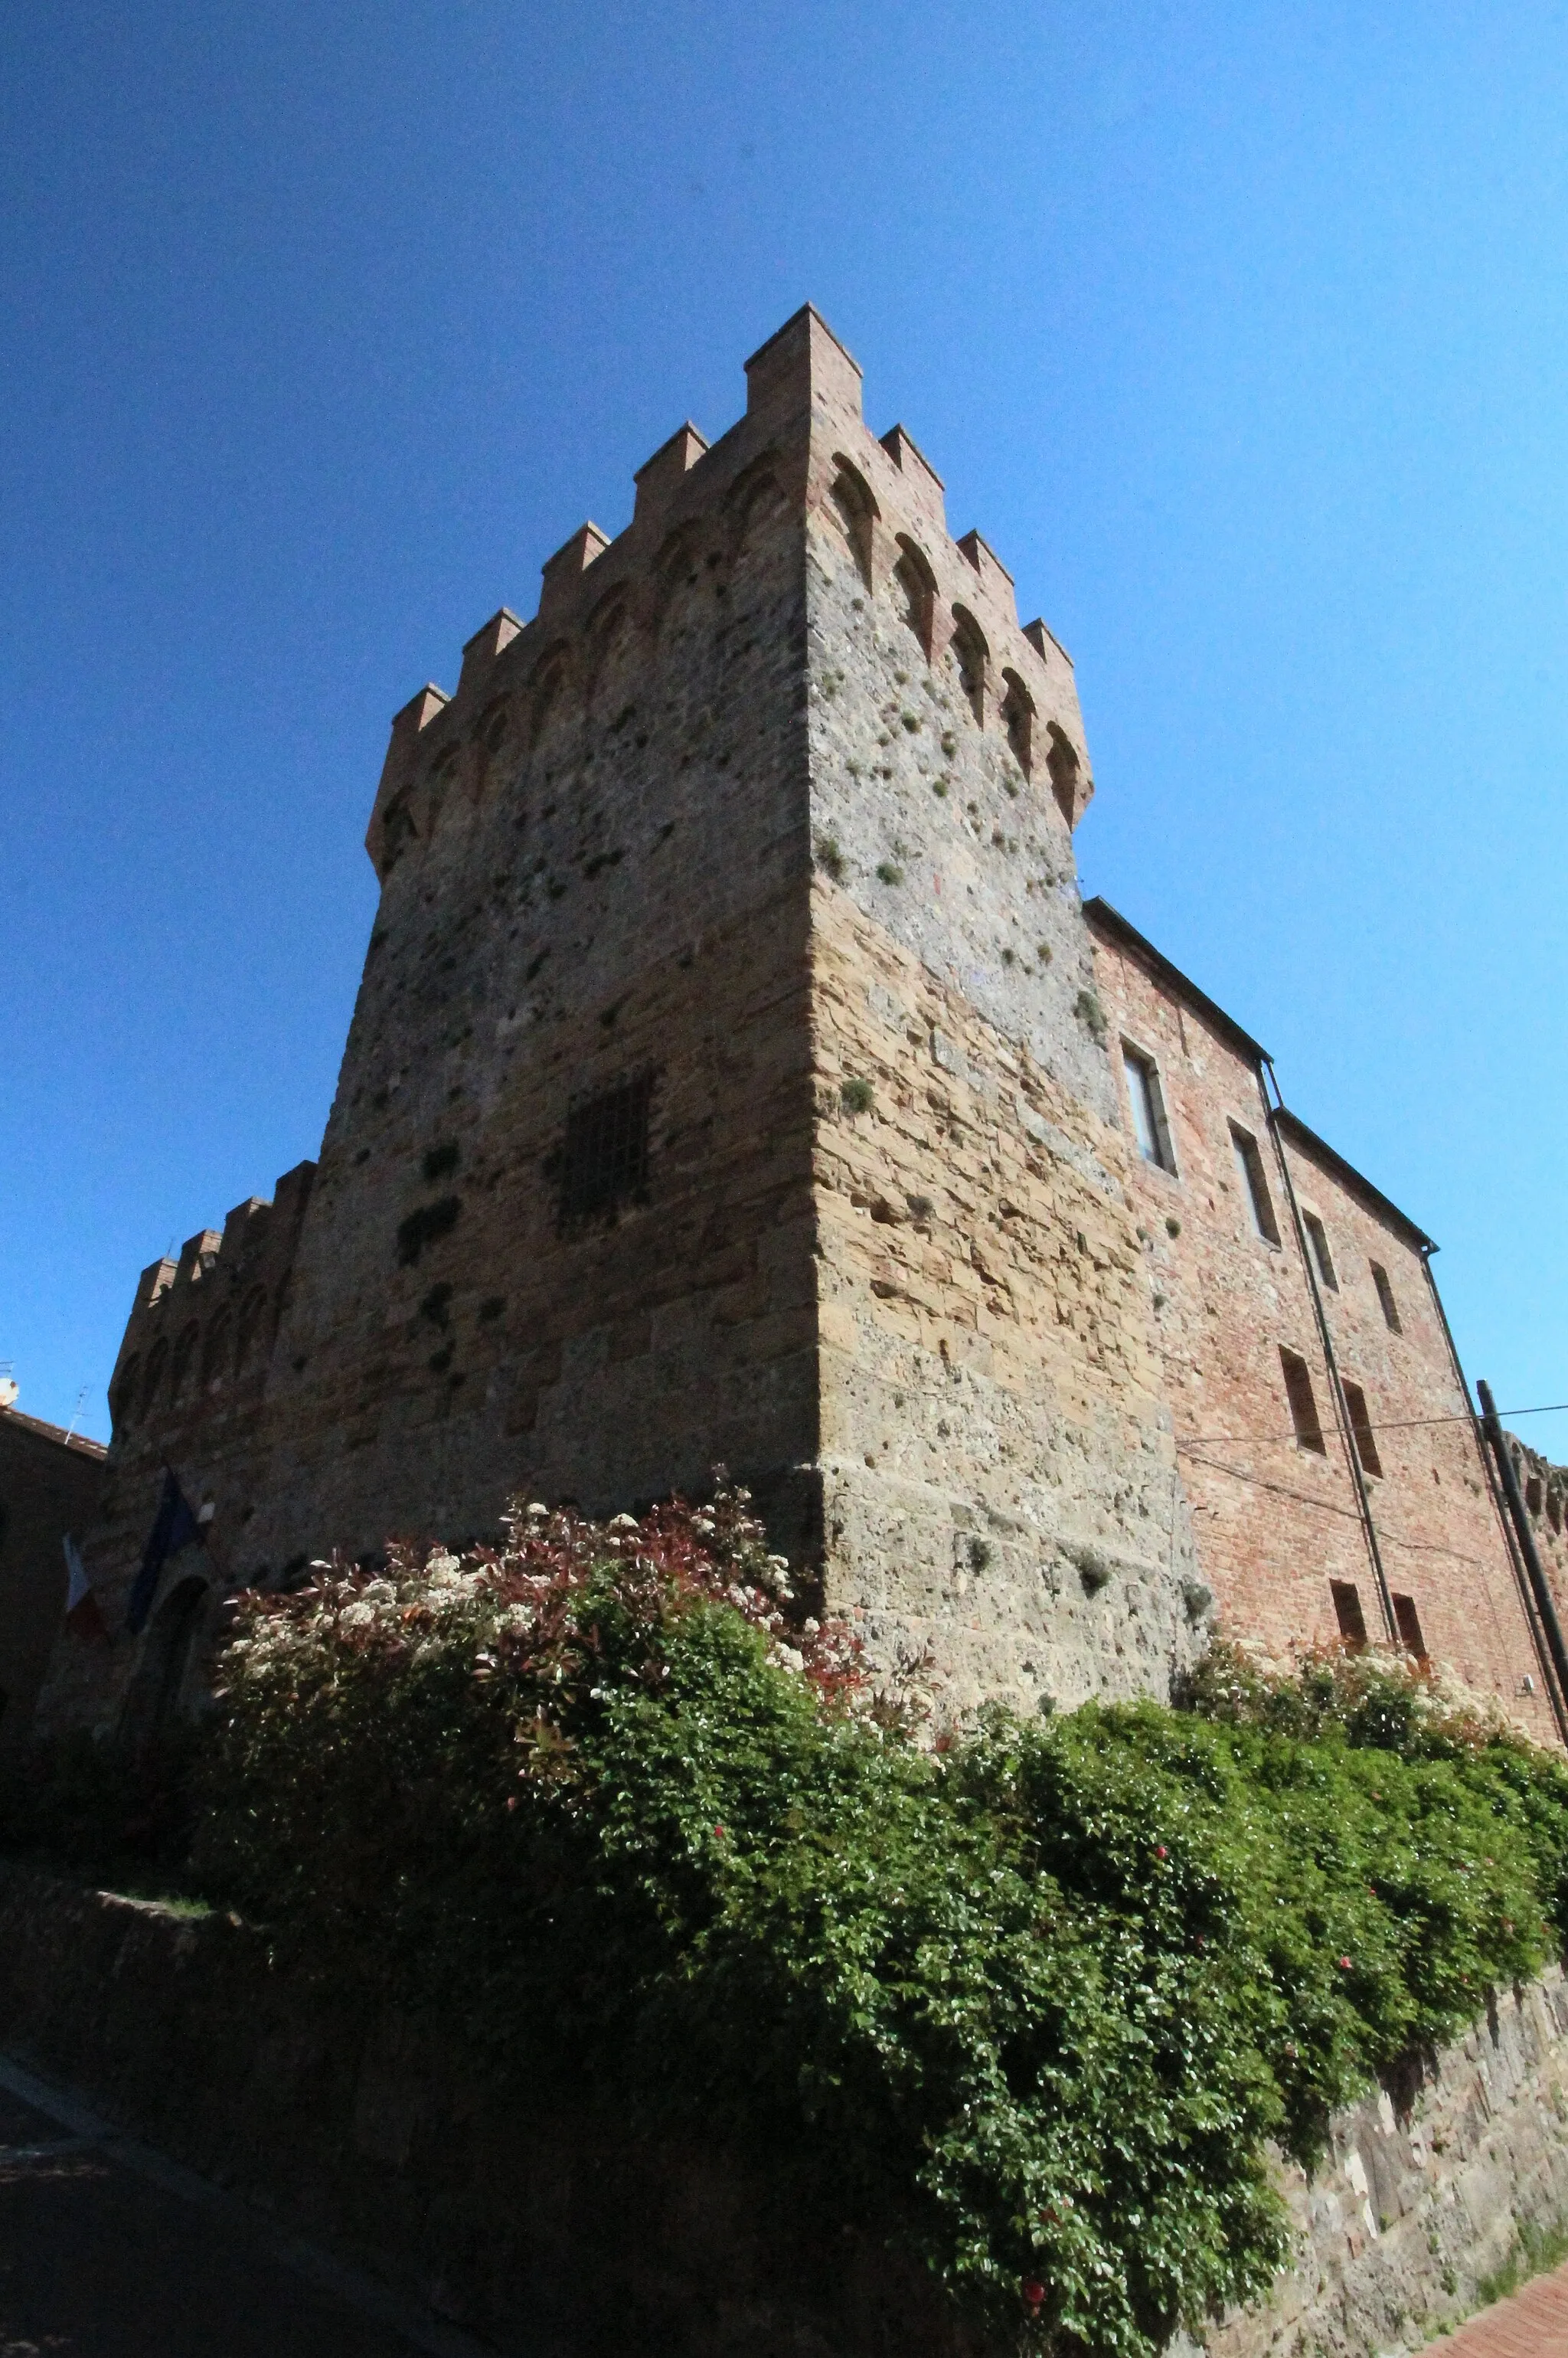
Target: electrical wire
<point x="1390" y="1425"/>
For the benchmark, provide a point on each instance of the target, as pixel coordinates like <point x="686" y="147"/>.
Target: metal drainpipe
<point x="1555" y="1693"/>
<point x="1336" y="1389"/>
<point x="1527" y="1547"/>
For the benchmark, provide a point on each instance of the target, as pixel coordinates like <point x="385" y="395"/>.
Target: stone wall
<point x="1277" y="1522"/>
<point x="597" y="863"/>
<point x="550" y="2226"/>
<point x="187" y="1393"/>
<point x="1000" y="1481"/>
<point x="1423" y="2191"/>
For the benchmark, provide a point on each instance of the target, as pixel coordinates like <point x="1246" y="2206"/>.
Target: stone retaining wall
<point x="555" y="2231"/>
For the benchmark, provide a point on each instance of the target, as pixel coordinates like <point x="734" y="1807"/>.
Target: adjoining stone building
<point x="730" y="1083"/>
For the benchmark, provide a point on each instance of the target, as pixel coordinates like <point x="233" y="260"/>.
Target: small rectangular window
<point x="1317" y="1241"/>
<point x="605" y="1160"/>
<point x="1304" y="1407"/>
<point x="1147" y="1099"/>
<point x="1349" y="1614"/>
<point x="1255" y="1180"/>
<point x="1408" y="1622"/>
<point x="1386" y="1302"/>
<point x="1362" y="1426"/>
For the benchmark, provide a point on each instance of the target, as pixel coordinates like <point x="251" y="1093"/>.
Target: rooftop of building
<point x="13" y="1420"/>
<point x="1111" y="926"/>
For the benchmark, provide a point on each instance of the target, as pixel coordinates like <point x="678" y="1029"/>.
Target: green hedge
<point x="1034" y="1996"/>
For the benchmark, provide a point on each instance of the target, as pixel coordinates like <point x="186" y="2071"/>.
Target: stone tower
<point x="726" y="1085"/>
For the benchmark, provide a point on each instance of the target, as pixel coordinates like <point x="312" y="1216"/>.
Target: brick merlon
<point x="801" y="363"/>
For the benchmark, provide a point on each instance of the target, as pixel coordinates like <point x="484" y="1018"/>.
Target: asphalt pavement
<point x="108" y="2250"/>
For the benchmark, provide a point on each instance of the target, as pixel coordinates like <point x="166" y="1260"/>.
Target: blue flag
<point x="174" y="1528"/>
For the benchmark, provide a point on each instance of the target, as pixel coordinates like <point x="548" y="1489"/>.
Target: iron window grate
<point x="605" y="1162"/>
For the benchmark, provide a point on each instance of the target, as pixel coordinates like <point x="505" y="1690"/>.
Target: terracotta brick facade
<point x="730" y="1082"/>
<point x="1290" y="1499"/>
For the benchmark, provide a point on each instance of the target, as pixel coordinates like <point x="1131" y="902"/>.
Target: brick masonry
<point x="1277" y="1522"/>
<point x="766" y="815"/>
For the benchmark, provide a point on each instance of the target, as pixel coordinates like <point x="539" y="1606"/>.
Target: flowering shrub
<point x="1031" y="1998"/>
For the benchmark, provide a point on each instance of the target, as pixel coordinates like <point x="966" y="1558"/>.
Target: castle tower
<point x="727" y="1083"/>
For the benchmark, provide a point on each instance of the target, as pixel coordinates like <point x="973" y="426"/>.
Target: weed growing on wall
<point x="1030" y="1996"/>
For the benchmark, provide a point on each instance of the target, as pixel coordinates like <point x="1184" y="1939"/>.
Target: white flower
<point x="537" y="1508"/>
<point x="622" y="1523"/>
<point x="356" y="1616"/>
<point x="380" y="1592"/>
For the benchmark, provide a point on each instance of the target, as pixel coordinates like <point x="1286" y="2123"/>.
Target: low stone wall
<point x="558" y="2231"/>
<point x="1424" y="2191"/>
<point x="551" y="2232"/>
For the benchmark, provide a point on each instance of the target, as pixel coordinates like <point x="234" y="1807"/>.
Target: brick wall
<point x="1278" y="1522"/>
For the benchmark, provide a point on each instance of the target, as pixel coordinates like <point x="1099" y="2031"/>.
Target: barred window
<point x="606" y="1157"/>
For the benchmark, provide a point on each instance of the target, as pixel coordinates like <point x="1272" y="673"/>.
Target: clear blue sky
<point x="1237" y="331"/>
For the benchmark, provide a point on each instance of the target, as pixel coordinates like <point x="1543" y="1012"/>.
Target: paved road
<point x="108" y="2251"/>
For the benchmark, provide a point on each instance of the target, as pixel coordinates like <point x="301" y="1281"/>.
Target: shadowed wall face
<point x="49" y="1485"/>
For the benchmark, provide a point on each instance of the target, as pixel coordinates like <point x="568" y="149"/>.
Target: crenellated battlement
<point x="199" y="1318"/>
<point x="804" y="420"/>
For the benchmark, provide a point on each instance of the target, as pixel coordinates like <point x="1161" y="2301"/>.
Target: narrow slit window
<point x="1349" y="1614"/>
<point x="1406" y="1620"/>
<point x="1304" y="1406"/>
<point x="1323" y="1259"/>
<point x="1255" y="1180"/>
<point x="605" y="1161"/>
<point x="1146" y="1097"/>
<point x="1386" y="1302"/>
<point x="1362" y="1426"/>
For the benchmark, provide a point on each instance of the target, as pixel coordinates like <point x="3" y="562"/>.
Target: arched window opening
<point x="970" y="653"/>
<point x="754" y="502"/>
<point x="1018" y="717"/>
<point x="123" y="1402"/>
<point x="218" y="1350"/>
<point x="184" y="1359"/>
<point x="157" y="1359"/>
<point x="252" y="1315"/>
<point x="1061" y="763"/>
<point x="855" y="506"/>
<point x="917" y="593"/>
<point x="489" y="736"/>
<point x="548" y="682"/>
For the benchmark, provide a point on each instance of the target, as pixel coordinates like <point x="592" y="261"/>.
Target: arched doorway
<point x="153" y="1706"/>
